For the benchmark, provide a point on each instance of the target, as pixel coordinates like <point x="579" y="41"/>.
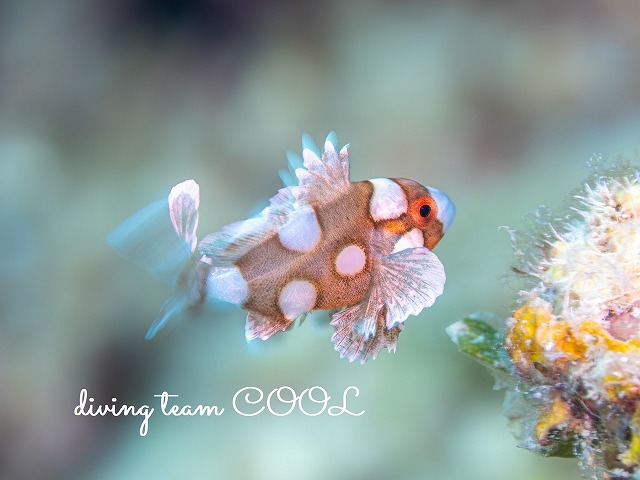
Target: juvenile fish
<point x="359" y="249"/>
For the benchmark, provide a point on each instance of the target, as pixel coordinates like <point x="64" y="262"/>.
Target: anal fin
<point x="352" y="343"/>
<point x="262" y="327"/>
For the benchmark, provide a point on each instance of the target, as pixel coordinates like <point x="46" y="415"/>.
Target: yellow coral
<point x="535" y="336"/>
<point x="614" y="374"/>
<point x="555" y="416"/>
<point x="538" y="342"/>
<point x="597" y="335"/>
<point x="632" y="456"/>
<point x="618" y="386"/>
<point x="575" y="341"/>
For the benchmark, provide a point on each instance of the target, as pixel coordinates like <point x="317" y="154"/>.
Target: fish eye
<point x="422" y="211"/>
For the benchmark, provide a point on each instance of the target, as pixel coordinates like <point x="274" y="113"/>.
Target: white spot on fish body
<point x="388" y="200"/>
<point x="227" y="285"/>
<point x="297" y="297"/>
<point x="350" y="260"/>
<point x="301" y="233"/>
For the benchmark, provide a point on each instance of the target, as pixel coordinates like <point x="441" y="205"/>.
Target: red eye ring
<point x="422" y="211"/>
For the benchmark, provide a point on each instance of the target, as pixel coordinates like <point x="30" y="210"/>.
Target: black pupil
<point x="425" y="210"/>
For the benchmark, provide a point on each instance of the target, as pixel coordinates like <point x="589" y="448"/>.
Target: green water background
<point x="106" y="104"/>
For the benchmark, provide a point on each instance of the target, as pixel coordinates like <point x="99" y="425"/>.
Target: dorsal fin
<point x="289" y="175"/>
<point x="322" y="177"/>
<point x="318" y="179"/>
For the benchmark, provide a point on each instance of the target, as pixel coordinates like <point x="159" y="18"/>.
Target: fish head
<point x="428" y="209"/>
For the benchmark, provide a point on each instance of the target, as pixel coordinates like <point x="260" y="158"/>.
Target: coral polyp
<point x="571" y="348"/>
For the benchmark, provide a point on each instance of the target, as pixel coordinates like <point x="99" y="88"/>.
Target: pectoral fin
<point x="404" y="283"/>
<point x="409" y="281"/>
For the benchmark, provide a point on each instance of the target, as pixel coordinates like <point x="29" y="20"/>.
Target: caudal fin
<point x="162" y="236"/>
<point x="172" y="306"/>
<point x="161" y="239"/>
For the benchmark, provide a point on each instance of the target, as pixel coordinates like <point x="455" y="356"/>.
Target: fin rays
<point x="405" y="282"/>
<point x="262" y="327"/>
<point x="163" y="239"/>
<point x="161" y="236"/>
<point x="322" y="177"/>
<point x="352" y="346"/>
<point x="184" y="200"/>
<point x="168" y="310"/>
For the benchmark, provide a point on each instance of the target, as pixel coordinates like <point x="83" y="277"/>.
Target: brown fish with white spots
<point x="359" y="249"/>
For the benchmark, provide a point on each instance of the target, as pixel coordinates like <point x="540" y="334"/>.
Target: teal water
<point x="106" y="105"/>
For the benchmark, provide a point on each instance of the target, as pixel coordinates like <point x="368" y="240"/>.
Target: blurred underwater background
<point x="107" y="104"/>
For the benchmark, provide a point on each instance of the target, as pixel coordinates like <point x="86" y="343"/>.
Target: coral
<point x="570" y="353"/>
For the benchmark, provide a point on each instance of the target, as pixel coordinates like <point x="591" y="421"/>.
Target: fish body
<point x="359" y="249"/>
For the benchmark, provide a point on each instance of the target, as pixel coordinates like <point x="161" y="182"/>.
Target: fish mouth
<point x="446" y="208"/>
